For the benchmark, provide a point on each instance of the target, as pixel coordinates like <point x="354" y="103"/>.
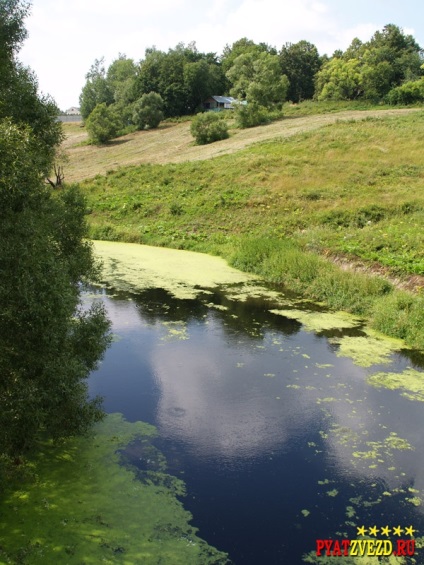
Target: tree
<point x="48" y="343"/>
<point x="147" y="111"/>
<point x="370" y="70"/>
<point x="19" y="98"/>
<point x="96" y="90"/>
<point x="120" y="71"/>
<point x="12" y="30"/>
<point x="183" y="77"/>
<point x="300" y="62"/>
<point x="258" y="79"/>
<point x="197" y="83"/>
<point x="340" y="79"/>
<point x="241" y="47"/>
<point x="102" y="124"/>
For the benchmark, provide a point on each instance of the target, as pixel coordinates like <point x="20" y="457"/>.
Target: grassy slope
<point x="354" y="187"/>
<point x="172" y="143"/>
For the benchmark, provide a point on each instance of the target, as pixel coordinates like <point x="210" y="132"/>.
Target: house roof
<point x="223" y="99"/>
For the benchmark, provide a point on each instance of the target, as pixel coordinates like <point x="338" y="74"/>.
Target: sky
<point x="66" y="37"/>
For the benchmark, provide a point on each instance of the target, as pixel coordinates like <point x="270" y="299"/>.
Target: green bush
<point x="102" y="124"/>
<point x="251" y="115"/>
<point x="409" y="93"/>
<point x="208" y="127"/>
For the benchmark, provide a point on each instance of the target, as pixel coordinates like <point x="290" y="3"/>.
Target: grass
<point x="312" y="107"/>
<point x="351" y="187"/>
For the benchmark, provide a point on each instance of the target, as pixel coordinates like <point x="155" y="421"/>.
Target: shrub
<point x="102" y="124"/>
<point x="208" y="127"/>
<point x="409" y="93"/>
<point x="251" y="115"/>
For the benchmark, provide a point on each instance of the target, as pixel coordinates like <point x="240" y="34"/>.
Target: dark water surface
<point x="280" y="442"/>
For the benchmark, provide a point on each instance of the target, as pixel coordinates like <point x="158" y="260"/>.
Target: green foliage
<point x="97" y="89"/>
<point x="12" y="30"/>
<point x="241" y="47"/>
<point x="300" y="62"/>
<point x="251" y="115"/>
<point x="147" y="111"/>
<point x="19" y="98"/>
<point x="208" y="127"/>
<point x="48" y="344"/>
<point x="258" y="79"/>
<point x="48" y="347"/>
<point x="121" y="71"/>
<point x="339" y="80"/>
<point x="370" y="70"/>
<point x="411" y="92"/>
<point x="102" y="124"/>
<point x="182" y="76"/>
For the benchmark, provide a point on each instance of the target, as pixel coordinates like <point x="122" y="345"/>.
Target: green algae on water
<point x="320" y="321"/>
<point x="175" y="331"/>
<point x="87" y="508"/>
<point x="410" y="382"/>
<point x="133" y="267"/>
<point x="365" y="351"/>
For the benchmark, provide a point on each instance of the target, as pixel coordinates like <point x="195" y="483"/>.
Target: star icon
<point x="373" y="531"/>
<point x="410" y="531"/>
<point x="361" y="531"/>
<point x="385" y="531"/>
<point x="397" y="531"/>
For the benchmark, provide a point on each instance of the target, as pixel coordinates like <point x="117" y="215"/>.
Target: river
<point x="281" y="429"/>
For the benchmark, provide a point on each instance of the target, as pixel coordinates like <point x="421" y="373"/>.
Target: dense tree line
<point x="371" y="70"/>
<point x="258" y="74"/>
<point x="48" y="343"/>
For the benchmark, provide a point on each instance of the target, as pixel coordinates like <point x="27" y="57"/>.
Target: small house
<point x="217" y="103"/>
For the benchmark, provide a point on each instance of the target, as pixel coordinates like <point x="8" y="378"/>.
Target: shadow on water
<point x="279" y="440"/>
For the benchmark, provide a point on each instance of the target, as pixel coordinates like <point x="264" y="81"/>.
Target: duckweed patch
<point x="372" y="349"/>
<point x="371" y="454"/>
<point x="129" y="267"/>
<point x="175" y="331"/>
<point x="86" y="507"/>
<point x="320" y="321"/>
<point x="410" y="382"/>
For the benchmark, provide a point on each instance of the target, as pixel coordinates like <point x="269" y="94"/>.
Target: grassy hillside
<point x="353" y="187"/>
<point x="173" y="143"/>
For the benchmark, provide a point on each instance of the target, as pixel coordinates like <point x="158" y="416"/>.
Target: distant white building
<point x="73" y="111"/>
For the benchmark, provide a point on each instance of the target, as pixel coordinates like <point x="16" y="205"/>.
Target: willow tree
<point x="48" y="342"/>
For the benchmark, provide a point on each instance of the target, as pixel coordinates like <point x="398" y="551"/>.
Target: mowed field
<point x="173" y="143"/>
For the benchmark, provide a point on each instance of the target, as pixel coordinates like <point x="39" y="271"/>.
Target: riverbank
<point x="350" y="189"/>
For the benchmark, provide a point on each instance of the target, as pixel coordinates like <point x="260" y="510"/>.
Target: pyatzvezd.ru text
<point x="368" y="547"/>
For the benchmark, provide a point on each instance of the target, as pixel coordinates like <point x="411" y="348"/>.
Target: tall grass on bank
<point x="393" y="312"/>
